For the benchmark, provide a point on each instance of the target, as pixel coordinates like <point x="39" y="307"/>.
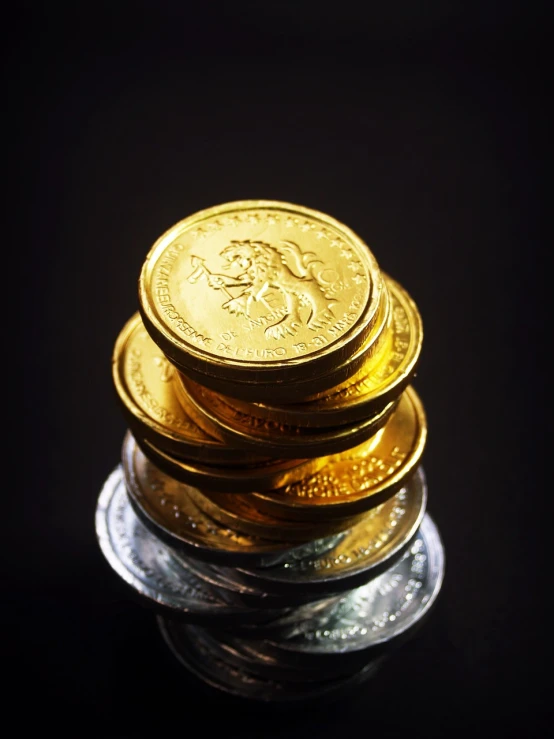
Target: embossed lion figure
<point x="288" y="282"/>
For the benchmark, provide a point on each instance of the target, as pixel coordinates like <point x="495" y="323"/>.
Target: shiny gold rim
<point x="264" y="477"/>
<point x="381" y="379"/>
<point x="240" y="515"/>
<point x="238" y="429"/>
<point x="162" y="420"/>
<point x="360" y="478"/>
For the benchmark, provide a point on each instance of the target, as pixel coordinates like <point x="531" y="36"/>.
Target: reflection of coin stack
<point x="270" y="501"/>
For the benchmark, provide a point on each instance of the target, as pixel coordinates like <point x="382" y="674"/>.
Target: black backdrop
<point x="421" y="128"/>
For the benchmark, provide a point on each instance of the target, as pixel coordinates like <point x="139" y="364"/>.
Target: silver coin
<point x="219" y="673"/>
<point x="287" y="623"/>
<point x="150" y="568"/>
<point x="247" y="655"/>
<point x="362" y="554"/>
<point x="194" y="532"/>
<point x="223" y="647"/>
<point x="369" y="619"/>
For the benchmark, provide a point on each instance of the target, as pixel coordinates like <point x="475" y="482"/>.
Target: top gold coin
<point x="259" y="290"/>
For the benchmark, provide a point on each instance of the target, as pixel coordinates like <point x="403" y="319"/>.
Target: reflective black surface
<point x="424" y="131"/>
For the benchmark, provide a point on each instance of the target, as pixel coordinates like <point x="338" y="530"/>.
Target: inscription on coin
<point x="144" y="380"/>
<point x="252" y="282"/>
<point x="339" y="481"/>
<point x="141" y="392"/>
<point x="274" y="286"/>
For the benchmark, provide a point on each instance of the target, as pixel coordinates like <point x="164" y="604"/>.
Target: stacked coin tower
<point x="270" y="501"/>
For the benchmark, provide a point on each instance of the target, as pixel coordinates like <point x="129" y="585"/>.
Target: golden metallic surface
<point x="370" y="537"/>
<point x="143" y="379"/>
<point x="392" y="368"/>
<point x="241" y="514"/>
<point x="266" y="436"/>
<point x="168" y="504"/>
<point x="367" y="549"/>
<point x="381" y="379"/>
<point x="266" y="476"/>
<point x="288" y="392"/>
<point x="359" y="478"/>
<point x="261" y="290"/>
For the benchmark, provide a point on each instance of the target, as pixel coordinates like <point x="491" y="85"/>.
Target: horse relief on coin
<point x="254" y="283"/>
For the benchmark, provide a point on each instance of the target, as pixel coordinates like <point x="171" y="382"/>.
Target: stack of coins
<point x="270" y="501"/>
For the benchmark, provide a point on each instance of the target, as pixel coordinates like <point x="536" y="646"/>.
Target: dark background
<point x="420" y="126"/>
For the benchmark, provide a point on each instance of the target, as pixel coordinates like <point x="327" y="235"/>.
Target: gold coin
<point x="359" y="478"/>
<point x="361" y="554"/>
<point x="263" y="435"/>
<point x="270" y="475"/>
<point x="259" y="289"/>
<point x="288" y="392"/>
<point x="381" y="379"/>
<point x="240" y="514"/>
<point x="167" y="503"/>
<point x="367" y="546"/>
<point x="143" y="377"/>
